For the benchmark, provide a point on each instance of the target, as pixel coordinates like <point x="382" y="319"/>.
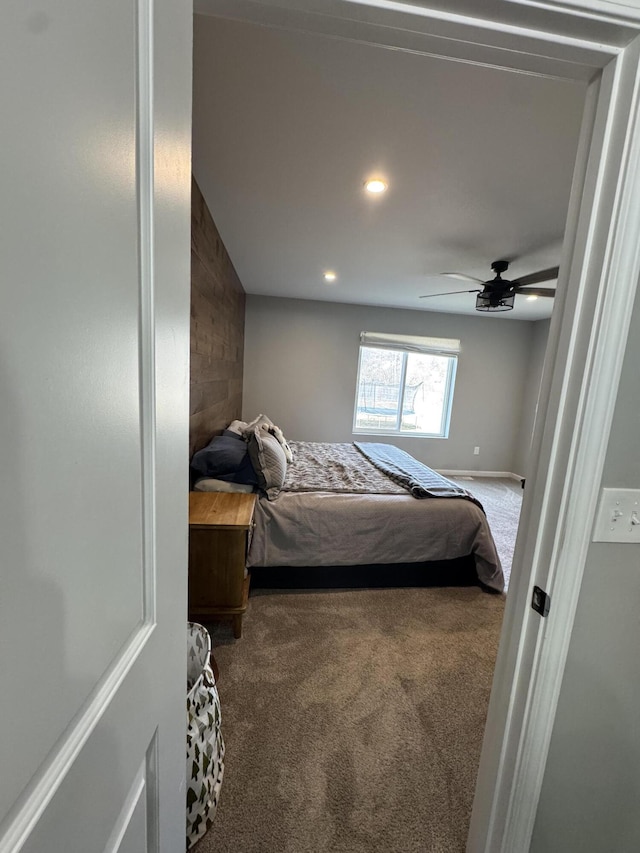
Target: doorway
<point x="584" y="378"/>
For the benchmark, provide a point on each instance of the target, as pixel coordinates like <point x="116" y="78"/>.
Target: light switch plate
<point x="618" y="516"/>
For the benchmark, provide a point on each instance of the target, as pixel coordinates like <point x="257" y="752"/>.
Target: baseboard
<point x="451" y="473"/>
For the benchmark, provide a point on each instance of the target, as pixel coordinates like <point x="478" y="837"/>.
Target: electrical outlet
<point x="476" y="451"/>
<point x="618" y="516"/>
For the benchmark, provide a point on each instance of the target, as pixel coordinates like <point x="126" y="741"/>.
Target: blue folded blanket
<point x="402" y="468"/>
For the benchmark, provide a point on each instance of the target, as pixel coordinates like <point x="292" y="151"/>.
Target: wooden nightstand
<point x="219" y="525"/>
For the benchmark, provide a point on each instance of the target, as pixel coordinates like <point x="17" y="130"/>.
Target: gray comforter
<point x="338" y="468"/>
<point x="337" y="509"/>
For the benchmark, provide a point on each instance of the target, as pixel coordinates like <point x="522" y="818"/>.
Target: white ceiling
<point x="288" y="125"/>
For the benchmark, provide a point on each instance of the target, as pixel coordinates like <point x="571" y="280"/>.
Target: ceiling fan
<point x="498" y="294"/>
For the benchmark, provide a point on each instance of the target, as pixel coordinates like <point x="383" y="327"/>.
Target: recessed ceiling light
<point x="531" y="298"/>
<point x="375" y="186"/>
<point x="330" y="276"/>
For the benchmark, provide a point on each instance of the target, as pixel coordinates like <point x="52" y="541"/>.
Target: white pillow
<point x="238" y="427"/>
<point x="261" y="420"/>
<point x="210" y="484"/>
<point x="275" y="430"/>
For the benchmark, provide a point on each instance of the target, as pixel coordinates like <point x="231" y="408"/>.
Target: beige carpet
<point x="353" y="720"/>
<point x="501" y="498"/>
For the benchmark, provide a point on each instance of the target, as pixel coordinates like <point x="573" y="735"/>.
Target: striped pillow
<point x="269" y="461"/>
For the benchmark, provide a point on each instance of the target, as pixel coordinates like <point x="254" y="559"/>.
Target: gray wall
<point x="301" y="361"/>
<point x="540" y="335"/>
<point x="591" y="786"/>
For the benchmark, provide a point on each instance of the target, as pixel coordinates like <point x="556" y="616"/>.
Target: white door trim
<point x="553" y="544"/>
<point x="577" y="39"/>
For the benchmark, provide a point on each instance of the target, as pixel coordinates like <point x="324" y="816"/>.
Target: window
<point x="405" y="384"/>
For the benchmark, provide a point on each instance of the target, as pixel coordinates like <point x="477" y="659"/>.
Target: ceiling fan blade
<point x="449" y="293"/>
<point x="537" y="291"/>
<point x="537" y="277"/>
<point x="464" y="277"/>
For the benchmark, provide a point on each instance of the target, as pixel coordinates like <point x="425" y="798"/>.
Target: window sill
<point x="398" y="434"/>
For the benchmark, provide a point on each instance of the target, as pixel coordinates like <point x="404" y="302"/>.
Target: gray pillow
<point x="268" y="460"/>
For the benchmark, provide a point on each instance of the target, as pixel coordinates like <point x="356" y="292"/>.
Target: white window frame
<point x="406" y="344"/>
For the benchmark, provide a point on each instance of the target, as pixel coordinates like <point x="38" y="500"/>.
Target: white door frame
<point x="596" y="41"/>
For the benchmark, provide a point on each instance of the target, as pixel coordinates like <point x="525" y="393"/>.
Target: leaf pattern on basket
<point x="205" y="745"/>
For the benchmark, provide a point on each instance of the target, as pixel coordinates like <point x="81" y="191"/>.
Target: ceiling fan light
<point x="490" y="302"/>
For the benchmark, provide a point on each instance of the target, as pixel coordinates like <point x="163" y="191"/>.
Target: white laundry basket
<point x="205" y="746"/>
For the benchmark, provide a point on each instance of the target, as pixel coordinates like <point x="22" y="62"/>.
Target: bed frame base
<point x="458" y="572"/>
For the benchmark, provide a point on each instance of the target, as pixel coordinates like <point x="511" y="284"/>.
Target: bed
<point x="356" y="504"/>
<point x="336" y="508"/>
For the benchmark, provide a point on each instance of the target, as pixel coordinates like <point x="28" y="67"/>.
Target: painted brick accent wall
<point x="217" y="329"/>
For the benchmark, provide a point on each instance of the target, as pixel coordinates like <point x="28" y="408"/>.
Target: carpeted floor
<point x="502" y="502"/>
<point x="353" y="720"/>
